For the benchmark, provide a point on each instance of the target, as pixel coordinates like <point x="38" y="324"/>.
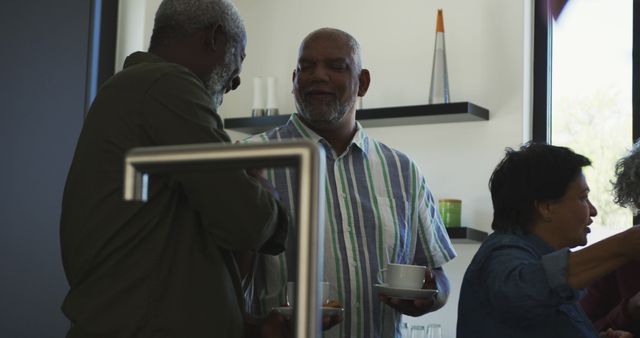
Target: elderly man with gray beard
<point x="377" y="200"/>
<point x="164" y="268"/>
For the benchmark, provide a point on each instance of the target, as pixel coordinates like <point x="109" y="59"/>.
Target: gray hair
<point x="626" y="187"/>
<point x="181" y="18"/>
<point x="351" y="41"/>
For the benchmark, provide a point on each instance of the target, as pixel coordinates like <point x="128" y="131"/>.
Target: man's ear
<point x="364" y="79"/>
<point x="293" y="79"/>
<point x="215" y="37"/>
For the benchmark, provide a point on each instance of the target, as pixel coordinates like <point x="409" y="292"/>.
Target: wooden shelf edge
<point x="378" y="117"/>
<point x="466" y="235"/>
<point x="255" y="125"/>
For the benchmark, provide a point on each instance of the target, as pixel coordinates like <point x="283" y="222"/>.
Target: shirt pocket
<point x="392" y="227"/>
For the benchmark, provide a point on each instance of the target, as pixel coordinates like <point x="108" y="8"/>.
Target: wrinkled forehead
<point x="325" y="45"/>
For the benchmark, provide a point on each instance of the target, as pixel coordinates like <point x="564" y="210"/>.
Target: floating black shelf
<point x="378" y="117"/>
<point x="465" y="235"/>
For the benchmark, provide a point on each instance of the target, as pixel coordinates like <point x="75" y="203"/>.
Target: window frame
<point x="542" y="68"/>
<point x="101" y="55"/>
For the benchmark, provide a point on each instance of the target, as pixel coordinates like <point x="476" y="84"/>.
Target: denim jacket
<point x="516" y="286"/>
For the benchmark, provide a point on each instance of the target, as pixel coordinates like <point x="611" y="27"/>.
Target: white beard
<point x="216" y="84"/>
<point x="219" y="79"/>
<point x="315" y="115"/>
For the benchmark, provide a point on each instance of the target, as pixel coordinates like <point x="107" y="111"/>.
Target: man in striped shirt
<point x="377" y="201"/>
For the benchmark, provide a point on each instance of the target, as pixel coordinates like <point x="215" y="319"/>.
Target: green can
<point x="450" y="210"/>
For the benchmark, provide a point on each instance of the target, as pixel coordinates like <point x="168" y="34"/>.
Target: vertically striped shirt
<point x="377" y="202"/>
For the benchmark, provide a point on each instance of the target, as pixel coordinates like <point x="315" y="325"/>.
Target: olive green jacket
<point x="161" y="268"/>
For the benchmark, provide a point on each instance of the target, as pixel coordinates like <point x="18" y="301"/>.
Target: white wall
<point x="489" y="60"/>
<point x="135" y="25"/>
<point x="131" y="34"/>
<point x="486" y="59"/>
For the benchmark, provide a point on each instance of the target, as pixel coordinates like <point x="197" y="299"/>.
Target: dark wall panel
<point x="42" y="85"/>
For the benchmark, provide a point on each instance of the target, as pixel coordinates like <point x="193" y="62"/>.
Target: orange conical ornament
<point x="439" y="92"/>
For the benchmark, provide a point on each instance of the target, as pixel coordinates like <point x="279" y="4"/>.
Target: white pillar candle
<point x="258" y="90"/>
<point x="271" y="93"/>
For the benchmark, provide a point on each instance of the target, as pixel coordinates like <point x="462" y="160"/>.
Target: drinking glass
<point x="291" y="293"/>
<point x="417" y="331"/>
<point x="434" y="331"/>
<point x="325" y="293"/>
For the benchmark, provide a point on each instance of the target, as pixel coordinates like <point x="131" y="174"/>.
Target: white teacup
<point x="404" y="276"/>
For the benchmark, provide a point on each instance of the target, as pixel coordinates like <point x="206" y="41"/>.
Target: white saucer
<point x="287" y="312"/>
<point x="404" y="293"/>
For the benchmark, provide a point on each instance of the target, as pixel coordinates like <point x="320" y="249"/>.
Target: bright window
<point x="590" y="96"/>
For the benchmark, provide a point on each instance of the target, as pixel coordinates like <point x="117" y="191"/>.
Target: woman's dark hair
<point x="536" y="172"/>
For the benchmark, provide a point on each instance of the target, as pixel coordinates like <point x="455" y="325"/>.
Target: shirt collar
<point x="141" y="57"/>
<point x="540" y="245"/>
<point x="360" y="139"/>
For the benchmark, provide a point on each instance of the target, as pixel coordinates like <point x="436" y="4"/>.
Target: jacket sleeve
<point x="234" y="208"/>
<point x="522" y="286"/>
<point x="605" y="307"/>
